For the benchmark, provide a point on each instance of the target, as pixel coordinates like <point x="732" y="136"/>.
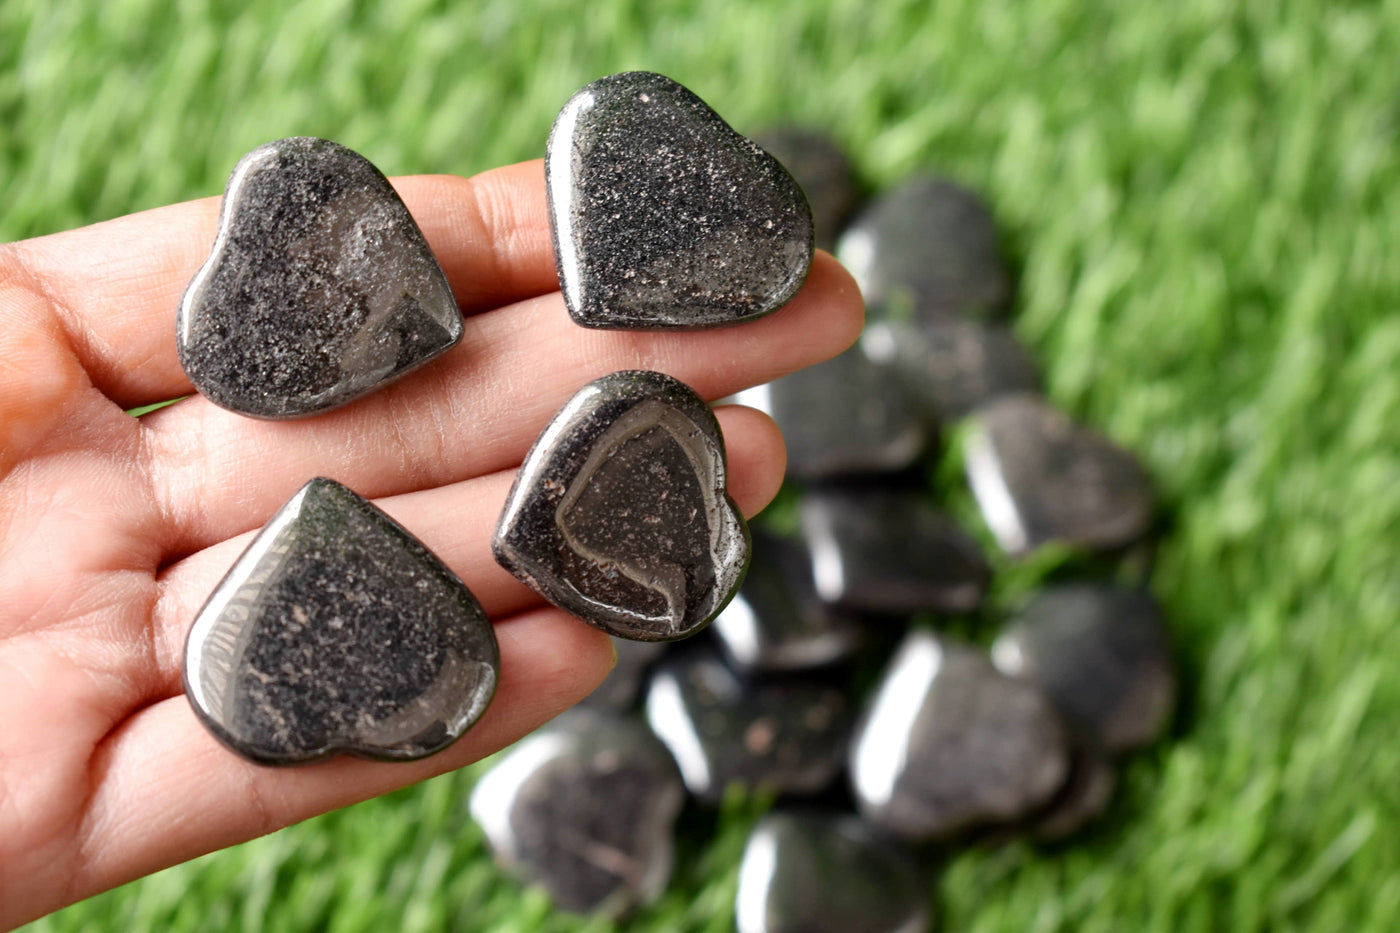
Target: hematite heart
<point x="319" y="289"/>
<point x="663" y="216"/>
<point x="338" y="631"/>
<point x="816" y="871"/>
<point x="926" y="251"/>
<point x="948" y="743"/>
<point x="786" y="734"/>
<point x="1102" y="655"/>
<point x="1039" y="477"/>
<point x="585" y="807"/>
<point x="619" y="514"/>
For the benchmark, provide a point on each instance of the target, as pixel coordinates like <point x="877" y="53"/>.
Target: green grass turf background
<point x="1203" y="201"/>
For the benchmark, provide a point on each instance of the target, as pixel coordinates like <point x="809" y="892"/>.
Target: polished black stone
<point x="889" y="550"/>
<point x="586" y="808"/>
<point x="776" y="622"/>
<point x="949" y="368"/>
<point x="623" y="685"/>
<point x="337" y="631"/>
<point x="1102" y="654"/>
<point x="663" y="216"/>
<point x="1085" y="796"/>
<point x="619" y="514"/>
<point x="927" y="250"/>
<point x="786" y="734"/>
<point x="1040" y="477"/>
<point x="319" y="288"/>
<point x="824" y="173"/>
<point x="844" y="416"/>
<point x="948" y="743"/>
<point x="823" y="872"/>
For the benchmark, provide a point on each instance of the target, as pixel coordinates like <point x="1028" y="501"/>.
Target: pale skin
<point x="114" y="529"/>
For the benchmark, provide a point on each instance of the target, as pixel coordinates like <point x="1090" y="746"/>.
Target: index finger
<point x="116" y="285"/>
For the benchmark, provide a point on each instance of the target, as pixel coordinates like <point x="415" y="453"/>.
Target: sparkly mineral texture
<point x="586" y="808"/>
<point x="1040" y="477"/>
<point x="663" y="216"/>
<point x="823" y="171"/>
<point x="619" y="514"/>
<point x="337" y="631"/>
<point x="319" y="289"/>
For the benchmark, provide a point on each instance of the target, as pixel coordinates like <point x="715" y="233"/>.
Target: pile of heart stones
<point x="339" y="632"/>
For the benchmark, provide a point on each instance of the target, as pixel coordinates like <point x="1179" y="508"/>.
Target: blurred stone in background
<point x="1040" y="477"/>
<point x="585" y="807"/>
<point x="948" y="743"/>
<point x="823" y="872"/>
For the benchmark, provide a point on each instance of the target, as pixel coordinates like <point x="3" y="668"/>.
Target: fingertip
<point x="549" y="661"/>
<point x="757" y="456"/>
<point x="845" y="299"/>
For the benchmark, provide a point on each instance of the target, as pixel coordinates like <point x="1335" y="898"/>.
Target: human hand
<point x="113" y="529"/>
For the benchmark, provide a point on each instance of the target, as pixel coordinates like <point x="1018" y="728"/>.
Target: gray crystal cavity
<point x="620" y="515"/>
<point x="586" y="808"/>
<point x="927" y="250"/>
<point x="949" y="743"/>
<point x="319" y="289"/>
<point x="822" y="872"/>
<point x="337" y="631"/>
<point x="663" y="216"/>
<point x="1039" y="477"/>
<point x="1102" y="654"/>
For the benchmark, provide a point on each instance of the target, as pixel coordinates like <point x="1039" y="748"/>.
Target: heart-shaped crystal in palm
<point x="338" y="631"/>
<point x="619" y="514"/>
<point x="663" y="216"/>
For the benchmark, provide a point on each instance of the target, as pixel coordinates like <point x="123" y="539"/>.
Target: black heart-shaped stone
<point x="619" y="513"/>
<point x="663" y="216"/>
<point x="823" y="171"/>
<point x="1038" y="477"/>
<point x="951" y="367"/>
<point x="319" y="288"/>
<point x="889" y="550"/>
<point x="949" y="743"/>
<point x="777" y="622"/>
<point x="925" y="251"/>
<point x="842" y="417"/>
<point x="338" y="631"/>
<point x="816" y="871"/>
<point x="785" y="734"/>
<point x="585" y="807"/>
<point x="1102" y="654"/>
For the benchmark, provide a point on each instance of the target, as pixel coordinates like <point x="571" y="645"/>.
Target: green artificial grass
<point x="1201" y="199"/>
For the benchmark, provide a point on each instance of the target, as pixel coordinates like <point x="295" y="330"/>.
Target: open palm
<point x="114" y="529"/>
